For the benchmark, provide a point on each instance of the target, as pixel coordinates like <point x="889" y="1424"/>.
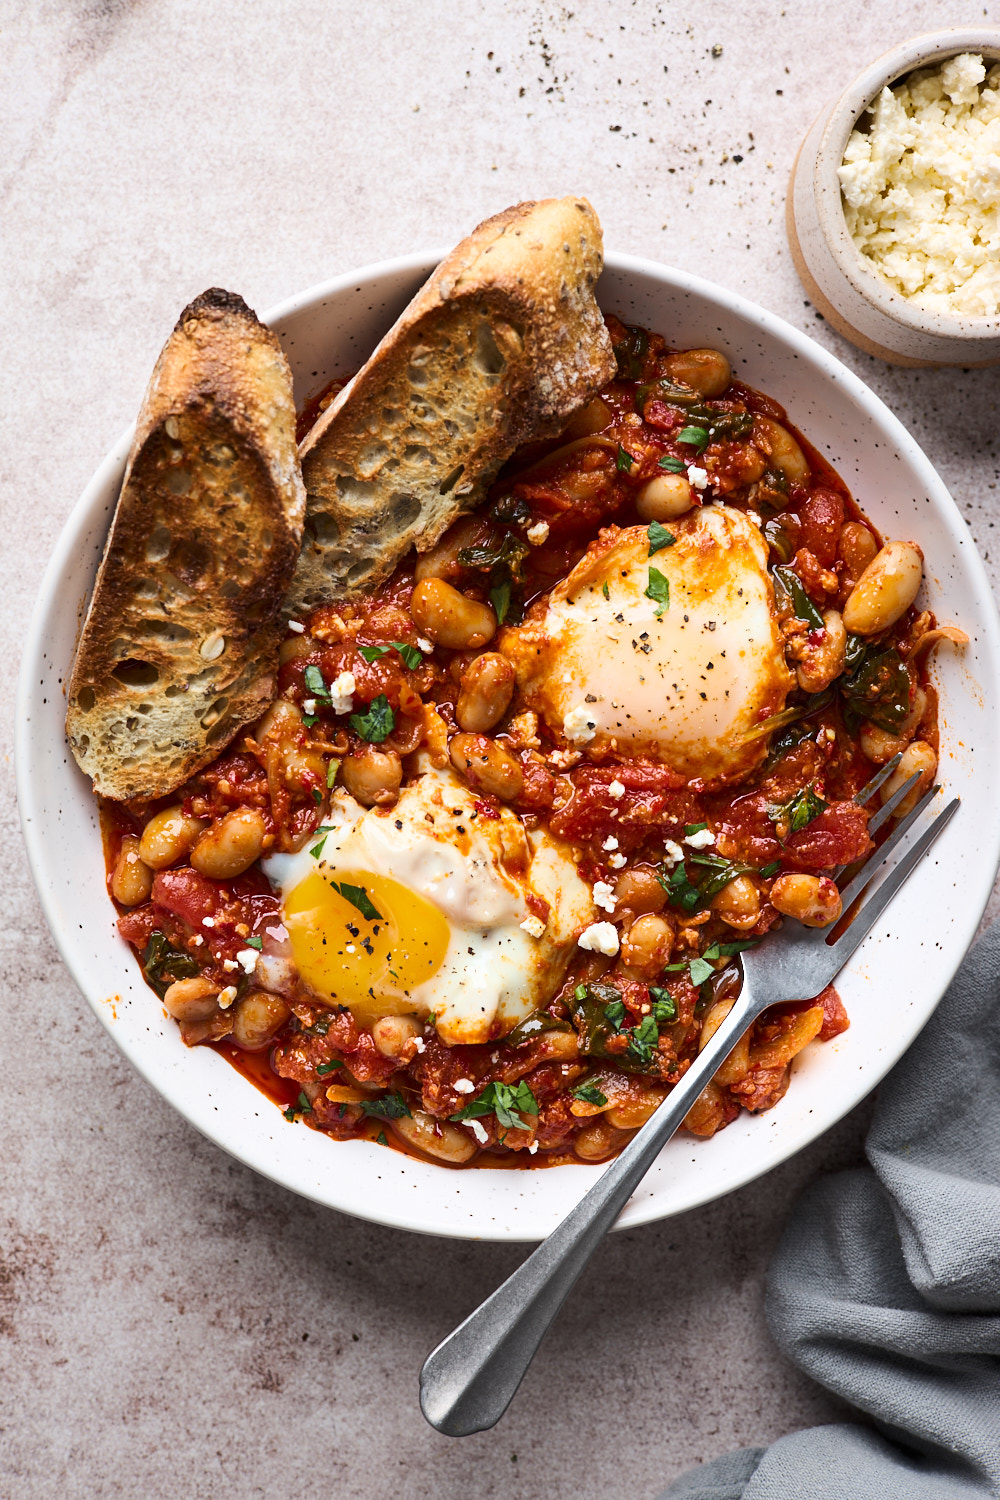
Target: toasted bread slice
<point x="501" y="346"/>
<point x="178" y="648"/>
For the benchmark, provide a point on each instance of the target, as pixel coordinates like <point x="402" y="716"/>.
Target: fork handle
<point x="469" y="1380"/>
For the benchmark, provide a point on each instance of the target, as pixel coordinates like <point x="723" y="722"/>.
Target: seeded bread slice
<point x="179" y="646"/>
<point x="499" y="347"/>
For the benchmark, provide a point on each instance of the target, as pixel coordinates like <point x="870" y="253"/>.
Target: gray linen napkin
<point x="885" y="1287"/>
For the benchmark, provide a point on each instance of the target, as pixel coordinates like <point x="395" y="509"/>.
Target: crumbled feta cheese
<point x="617" y="861"/>
<point x="579" y="725"/>
<point x="533" y="1025"/>
<point x="464" y="1086"/>
<point x="197" y="940"/>
<point x="610" y="842"/>
<point x="425" y="645"/>
<point x="532" y="1148"/>
<point x="296" y="625"/>
<point x="342" y="693"/>
<point x="533" y="926"/>
<point x="921" y="187"/>
<point x="208" y="921"/>
<point x="704" y="839"/>
<point x="616" y="790"/>
<point x="478" y="1131"/>
<point x="672" y="853"/>
<point x="604" y="895"/>
<point x="227" y="996"/>
<point x="419" y="1044"/>
<point x="599" y="937"/>
<point x="248" y="958"/>
<point x="538" y="533"/>
<point x="229" y="964"/>
<point x="697" y="477"/>
<point x="309" y="705"/>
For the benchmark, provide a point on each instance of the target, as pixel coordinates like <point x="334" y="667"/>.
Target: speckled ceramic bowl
<point x="841" y="282"/>
<point x="891" y="985"/>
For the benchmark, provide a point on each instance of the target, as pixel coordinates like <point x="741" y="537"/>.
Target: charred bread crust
<point x="500" y="346"/>
<point x="179" y="645"/>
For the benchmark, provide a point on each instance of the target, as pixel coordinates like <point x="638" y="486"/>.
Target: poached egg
<point x="674" y="656"/>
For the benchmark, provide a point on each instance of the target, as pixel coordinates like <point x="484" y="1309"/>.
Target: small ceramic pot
<point x="842" y="283"/>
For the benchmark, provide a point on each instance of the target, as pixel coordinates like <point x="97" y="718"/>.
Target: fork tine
<point x="841" y="950"/>
<point x="869" y="789"/>
<point x="878" y="857"/>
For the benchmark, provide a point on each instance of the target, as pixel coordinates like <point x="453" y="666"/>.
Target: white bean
<point x="885" y="590"/>
<point x="786" y="454"/>
<point x="664" y="498"/>
<point x="916" y="757"/>
<point x="434" y="1137"/>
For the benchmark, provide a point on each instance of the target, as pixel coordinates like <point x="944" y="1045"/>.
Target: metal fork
<point x="469" y="1380"/>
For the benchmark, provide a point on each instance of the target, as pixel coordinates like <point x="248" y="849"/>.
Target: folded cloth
<point x="885" y="1287"/>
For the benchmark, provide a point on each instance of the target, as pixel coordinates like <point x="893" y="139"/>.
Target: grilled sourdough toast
<point x="499" y="347"/>
<point x="179" y="645"/>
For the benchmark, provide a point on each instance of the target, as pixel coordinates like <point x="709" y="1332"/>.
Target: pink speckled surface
<point x="171" y="1324"/>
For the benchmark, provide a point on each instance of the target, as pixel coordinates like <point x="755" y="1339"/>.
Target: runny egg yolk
<point x="367" y="963"/>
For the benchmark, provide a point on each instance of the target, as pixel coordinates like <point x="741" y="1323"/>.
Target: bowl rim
<point x="891" y="67"/>
<point x="31" y="793"/>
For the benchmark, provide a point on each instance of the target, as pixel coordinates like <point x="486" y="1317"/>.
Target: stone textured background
<point x="171" y="1324"/>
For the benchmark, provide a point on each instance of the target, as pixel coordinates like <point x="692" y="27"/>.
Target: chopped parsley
<point x="659" y="537"/>
<point x="711" y="875"/>
<point x="358" y="896"/>
<point x="696" y="436"/>
<point x="387" y="1107"/>
<point x="500" y="597"/>
<point x="672" y="465"/>
<point x="372" y="653"/>
<point x="658" y="589"/>
<point x="643" y="1042"/>
<point x="314" y="682"/>
<point x="502" y="1100"/>
<point x="255" y="942"/>
<point x="411" y="656"/>
<point x="328" y="1067"/>
<point x="700" y="969"/>
<point x="799" y="811"/>
<point x="605" y="590"/>
<point x="317" y="849"/>
<point x="331" y="772"/>
<point x="377" y="724"/>
<point x="589" y="1093"/>
<point x="300" y="1107"/>
<point x="381" y="1138"/>
<point x="664" y="1004"/>
<point x="623" y="460"/>
<point x="771" y="869"/>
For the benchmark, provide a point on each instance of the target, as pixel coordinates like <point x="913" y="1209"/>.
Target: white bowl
<point x="891" y="986"/>
<point x="841" y="282"/>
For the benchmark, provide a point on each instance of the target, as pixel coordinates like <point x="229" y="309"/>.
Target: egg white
<point x="683" y="686"/>
<point x="477" y="872"/>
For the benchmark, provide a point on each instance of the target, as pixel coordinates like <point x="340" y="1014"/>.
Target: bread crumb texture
<point x="503" y="343"/>
<point x="178" y="648"/>
<point x="921" y="187"/>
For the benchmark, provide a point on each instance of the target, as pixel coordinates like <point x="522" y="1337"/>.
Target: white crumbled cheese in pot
<point x="425" y="646"/>
<point x="297" y="626"/>
<point x="478" y="1131"/>
<point x="464" y="1086"/>
<point x="533" y="926"/>
<point x="227" y="996"/>
<point x="921" y="187"/>
<point x="617" y="861"/>
<point x="532" y="1148"/>
<point x="342" y="693"/>
<point x="229" y="964"/>
<point x="248" y="958"/>
<point x="309" y="705"/>
<point x="703" y="839"/>
<point x="208" y="921"/>
<point x="616" y="790"/>
<point x="672" y="853"/>
<point x="599" y="937"/>
<point x="579" y="725"/>
<point x="420" y="1044"/>
<point x="538" y="533"/>
<point x="697" y="477"/>
<point x="610" y="842"/>
<point x="604" y="895"/>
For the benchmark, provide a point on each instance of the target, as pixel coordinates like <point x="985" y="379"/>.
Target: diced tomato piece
<point x="659" y="414"/>
<point x="653" y="795"/>
<point x="822" y="516"/>
<point x="746" y="831"/>
<point x="139" y="925"/>
<point x="835" y="1017"/>
<point x="838" y="836"/>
